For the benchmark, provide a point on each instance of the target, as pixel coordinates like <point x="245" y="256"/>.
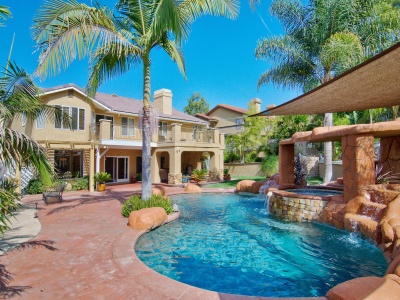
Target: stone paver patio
<point x="84" y="250"/>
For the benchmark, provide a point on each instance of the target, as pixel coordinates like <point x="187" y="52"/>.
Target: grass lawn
<point x="232" y="184"/>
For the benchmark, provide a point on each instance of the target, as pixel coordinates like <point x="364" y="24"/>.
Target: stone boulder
<point x="244" y="186"/>
<point x="255" y="187"/>
<point x="372" y="288"/>
<point x="158" y="190"/>
<point x="147" y="218"/>
<point x="192" y="188"/>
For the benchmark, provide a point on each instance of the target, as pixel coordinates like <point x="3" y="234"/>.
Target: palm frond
<point x="175" y="54"/>
<point x="4" y="13"/>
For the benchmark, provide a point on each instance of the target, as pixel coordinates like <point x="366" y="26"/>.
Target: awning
<point x="373" y="84"/>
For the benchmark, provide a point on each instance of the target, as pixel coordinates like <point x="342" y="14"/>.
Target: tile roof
<point x="204" y="116"/>
<point x="122" y="104"/>
<point x="230" y="107"/>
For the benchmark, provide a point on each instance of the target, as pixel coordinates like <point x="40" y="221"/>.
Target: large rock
<point x="147" y="218"/>
<point x="244" y="186"/>
<point x="192" y="188"/>
<point x="371" y="288"/>
<point x="158" y="190"/>
<point x="255" y="187"/>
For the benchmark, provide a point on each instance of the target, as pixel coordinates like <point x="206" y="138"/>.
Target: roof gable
<point x="228" y="107"/>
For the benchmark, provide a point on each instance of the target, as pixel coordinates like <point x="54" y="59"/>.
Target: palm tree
<point x="4" y="13"/>
<point x="323" y="39"/>
<point x="18" y="95"/>
<point x="119" y="42"/>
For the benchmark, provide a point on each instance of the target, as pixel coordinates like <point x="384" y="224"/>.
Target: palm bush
<point x="135" y="202"/>
<point x="199" y="175"/>
<point x="102" y="177"/>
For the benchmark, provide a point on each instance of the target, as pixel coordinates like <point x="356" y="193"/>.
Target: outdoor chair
<point x="54" y="194"/>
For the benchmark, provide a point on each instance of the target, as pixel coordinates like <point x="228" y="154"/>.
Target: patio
<point x="84" y="250"/>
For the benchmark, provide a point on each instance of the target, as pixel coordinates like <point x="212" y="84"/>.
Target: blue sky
<point x="219" y="54"/>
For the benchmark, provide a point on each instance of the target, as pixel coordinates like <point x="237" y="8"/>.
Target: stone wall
<point x="175" y="178"/>
<point x="389" y="155"/>
<point x="295" y="208"/>
<point x="311" y="165"/>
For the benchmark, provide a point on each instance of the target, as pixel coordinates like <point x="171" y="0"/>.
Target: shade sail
<point x="372" y="84"/>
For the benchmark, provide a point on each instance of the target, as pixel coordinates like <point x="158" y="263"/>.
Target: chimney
<point x="257" y="104"/>
<point x="163" y="101"/>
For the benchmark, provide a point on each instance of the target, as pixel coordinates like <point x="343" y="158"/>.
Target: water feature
<point x="229" y="243"/>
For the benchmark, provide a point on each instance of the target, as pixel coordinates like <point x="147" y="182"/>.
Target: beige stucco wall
<point x="226" y="118"/>
<point x="247" y="169"/>
<point x="337" y="169"/>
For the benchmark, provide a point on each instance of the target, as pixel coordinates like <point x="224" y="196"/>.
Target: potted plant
<point x="227" y="176"/>
<point x="200" y="175"/>
<point x="101" y="178"/>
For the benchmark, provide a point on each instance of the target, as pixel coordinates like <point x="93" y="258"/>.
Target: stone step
<point x="364" y="224"/>
<point x="372" y="209"/>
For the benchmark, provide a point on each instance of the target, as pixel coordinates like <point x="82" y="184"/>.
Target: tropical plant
<point x="19" y="96"/>
<point x="199" y="174"/>
<point x="101" y="177"/>
<point x="270" y="164"/>
<point x="226" y="171"/>
<point x="65" y="30"/>
<point x="323" y="39"/>
<point x="135" y="202"/>
<point x="197" y="104"/>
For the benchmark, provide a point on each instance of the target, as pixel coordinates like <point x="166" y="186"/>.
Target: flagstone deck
<point x="84" y="250"/>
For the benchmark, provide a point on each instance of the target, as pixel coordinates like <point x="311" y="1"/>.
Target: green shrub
<point x="250" y="157"/>
<point x="270" y="165"/>
<point x="79" y="184"/>
<point x="36" y="186"/>
<point x="139" y="176"/>
<point x="135" y="202"/>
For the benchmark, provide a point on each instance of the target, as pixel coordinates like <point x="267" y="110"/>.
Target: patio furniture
<point x="164" y="175"/>
<point x="54" y="194"/>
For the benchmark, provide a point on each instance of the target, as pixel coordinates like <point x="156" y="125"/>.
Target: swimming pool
<point x="229" y="243"/>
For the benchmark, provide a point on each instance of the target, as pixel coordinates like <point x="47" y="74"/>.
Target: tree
<point x="323" y="39"/>
<point x="197" y="104"/>
<point x="120" y="41"/>
<point x="4" y="13"/>
<point x="18" y="95"/>
<point x="254" y="133"/>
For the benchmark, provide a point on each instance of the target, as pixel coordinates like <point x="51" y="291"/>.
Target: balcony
<point x="105" y="130"/>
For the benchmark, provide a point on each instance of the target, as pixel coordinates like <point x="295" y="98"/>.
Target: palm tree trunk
<point x="328" y="150"/>
<point x="146" y="132"/>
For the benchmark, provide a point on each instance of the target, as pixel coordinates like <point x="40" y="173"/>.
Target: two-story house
<point x="105" y="137"/>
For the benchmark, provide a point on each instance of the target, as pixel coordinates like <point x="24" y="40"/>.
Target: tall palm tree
<point x="18" y="95"/>
<point x="323" y="39"/>
<point x="119" y="42"/>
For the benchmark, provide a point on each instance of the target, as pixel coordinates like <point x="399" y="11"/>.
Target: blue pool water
<point x="315" y="192"/>
<point x="229" y="243"/>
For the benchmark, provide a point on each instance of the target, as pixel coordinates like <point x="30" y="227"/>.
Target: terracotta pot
<point x="227" y="177"/>
<point x="101" y="187"/>
<point x="133" y="179"/>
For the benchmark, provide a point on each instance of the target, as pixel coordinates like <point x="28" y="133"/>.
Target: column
<point x="175" y="160"/>
<point x="176" y="132"/>
<point x="91" y="170"/>
<point x="358" y="164"/>
<point x="286" y="163"/>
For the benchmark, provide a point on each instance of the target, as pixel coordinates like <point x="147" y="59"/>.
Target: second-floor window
<point x="162" y="129"/>
<point x="41" y="120"/>
<point x="128" y="126"/>
<point x="74" y="115"/>
<point x="195" y="130"/>
<point x="239" y="123"/>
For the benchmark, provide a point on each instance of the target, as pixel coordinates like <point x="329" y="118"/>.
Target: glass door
<point x="118" y="167"/>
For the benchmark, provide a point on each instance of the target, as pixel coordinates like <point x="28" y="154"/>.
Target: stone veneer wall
<point x="294" y="208"/>
<point x="389" y="156"/>
<point x="174" y="178"/>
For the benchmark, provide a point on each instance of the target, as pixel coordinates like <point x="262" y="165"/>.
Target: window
<point x="162" y="127"/>
<point x="41" y="120"/>
<point x="195" y="129"/>
<point x="128" y="127"/>
<point x="74" y="115"/>
<point x="23" y="119"/>
<point x="239" y="123"/>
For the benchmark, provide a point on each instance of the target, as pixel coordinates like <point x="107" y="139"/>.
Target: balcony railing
<point x="108" y="131"/>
